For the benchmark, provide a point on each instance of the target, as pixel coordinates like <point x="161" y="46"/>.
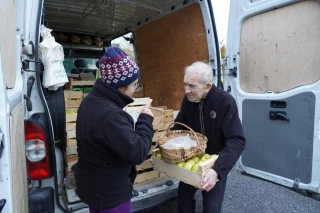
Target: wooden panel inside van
<point x="279" y="49"/>
<point x="18" y="157"/>
<point x="8" y="40"/>
<point x="165" y="47"/>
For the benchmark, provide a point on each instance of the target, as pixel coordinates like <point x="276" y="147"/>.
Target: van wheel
<point x="55" y="100"/>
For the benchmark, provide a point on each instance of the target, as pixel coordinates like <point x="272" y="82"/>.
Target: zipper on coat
<point x="201" y="117"/>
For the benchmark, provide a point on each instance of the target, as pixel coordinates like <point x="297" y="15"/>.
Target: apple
<point x="205" y="157"/>
<point x="195" y="159"/>
<point x="191" y="161"/>
<point x="187" y="166"/>
<point x="195" y="167"/>
<point x="180" y="164"/>
<point x="159" y="156"/>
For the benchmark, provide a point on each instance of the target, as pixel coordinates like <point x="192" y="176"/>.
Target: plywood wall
<point x="280" y="49"/>
<point x="8" y="40"/>
<point x="165" y="47"/>
<point x="18" y="163"/>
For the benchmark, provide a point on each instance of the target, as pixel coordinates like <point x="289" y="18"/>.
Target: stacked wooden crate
<point x="72" y="102"/>
<point x="162" y="118"/>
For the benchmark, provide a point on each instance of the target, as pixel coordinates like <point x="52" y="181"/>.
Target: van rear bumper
<point x="147" y="195"/>
<point x="41" y="200"/>
<point x="147" y="198"/>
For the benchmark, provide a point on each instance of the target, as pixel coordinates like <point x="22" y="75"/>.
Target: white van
<point x="272" y="71"/>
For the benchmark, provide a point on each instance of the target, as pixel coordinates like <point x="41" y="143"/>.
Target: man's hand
<point x="151" y="160"/>
<point x="209" y="180"/>
<point x="146" y="109"/>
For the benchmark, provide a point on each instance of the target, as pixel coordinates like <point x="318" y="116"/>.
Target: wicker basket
<point x="178" y="154"/>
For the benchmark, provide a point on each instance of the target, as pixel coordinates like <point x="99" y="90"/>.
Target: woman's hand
<point x="146" y="109"/>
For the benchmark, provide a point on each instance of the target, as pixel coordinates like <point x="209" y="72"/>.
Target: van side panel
<point x="18" y="159"/>
<point x="164" y="48"/>
<point x="7" y="40"/>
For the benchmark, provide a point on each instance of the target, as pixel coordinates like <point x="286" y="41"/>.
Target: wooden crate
<point x="147" y="176"/>
<point x="165" y="114"/>
<point x="145" y="170"/>
<point x="184" y="175"/>
<point x="144" y="166"/>
<point x="137" y="105"/>
<point x="162" y="116"/>
<point x="71" y="160"/>
<point x="71" y="150"/>
<point x="73" y="100"/>
<point x="139" y="101"/>
<point x="75" y="83"/>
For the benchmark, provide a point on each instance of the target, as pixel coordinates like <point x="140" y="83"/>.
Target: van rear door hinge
<point x="296" y="184"/>
<point x="232" y="72"/>
<point x="1" y="143"/>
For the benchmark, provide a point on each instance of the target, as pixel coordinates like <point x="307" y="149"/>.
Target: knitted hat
<point x="117" y="69"/>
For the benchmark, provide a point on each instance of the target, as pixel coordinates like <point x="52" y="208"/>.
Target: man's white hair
<point x="203" y="69"/>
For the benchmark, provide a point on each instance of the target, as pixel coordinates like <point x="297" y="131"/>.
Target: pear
<point x="159" y="156"/>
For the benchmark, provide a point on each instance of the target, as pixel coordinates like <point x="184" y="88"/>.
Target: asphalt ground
<point x="246" y="194"/>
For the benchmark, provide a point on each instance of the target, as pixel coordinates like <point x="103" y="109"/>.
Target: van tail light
<point x="36" y="145"/>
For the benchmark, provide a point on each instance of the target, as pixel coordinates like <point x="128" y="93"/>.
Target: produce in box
<point x="86" y="40"/>
<point x="190" y="171"/>
<point x="98" y="41"/>
<point x="193" y="163"/>
<point x="75" y="38"/>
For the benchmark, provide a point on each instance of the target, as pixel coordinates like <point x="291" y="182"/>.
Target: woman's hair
<point x="203" y="69"/>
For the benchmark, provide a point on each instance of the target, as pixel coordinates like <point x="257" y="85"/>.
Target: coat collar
<point x="104" y="90"/>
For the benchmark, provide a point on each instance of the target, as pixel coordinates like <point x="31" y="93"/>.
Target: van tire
<point x="55" y="100"/>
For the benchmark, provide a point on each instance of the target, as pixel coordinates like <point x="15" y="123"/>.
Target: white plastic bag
<point x="52" y="56"/>
<point x="181" y="141"/>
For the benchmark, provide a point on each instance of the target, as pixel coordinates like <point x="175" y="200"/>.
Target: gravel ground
<point x="245" y="194"/>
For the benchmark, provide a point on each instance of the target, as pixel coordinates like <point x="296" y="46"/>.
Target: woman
<point x="109" y="146"/>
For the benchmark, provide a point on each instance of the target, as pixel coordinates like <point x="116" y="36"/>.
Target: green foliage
<point x="223" y="52"/>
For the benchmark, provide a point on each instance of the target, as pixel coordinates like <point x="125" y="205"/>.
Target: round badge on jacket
<point x="213" y="114"/>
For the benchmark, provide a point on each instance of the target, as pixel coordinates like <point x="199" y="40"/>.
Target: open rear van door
<point x="274" y="45"/>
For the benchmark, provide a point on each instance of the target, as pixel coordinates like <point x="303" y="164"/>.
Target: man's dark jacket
<point x="216" y="117"/>
<point x="109" y="147"/>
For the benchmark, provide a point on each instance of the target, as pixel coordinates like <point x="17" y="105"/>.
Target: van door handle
<point x="278" y="115"/>
<point x="1" y="146"/>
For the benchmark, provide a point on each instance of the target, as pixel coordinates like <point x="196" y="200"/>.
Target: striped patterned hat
<point x="117" y="68"/>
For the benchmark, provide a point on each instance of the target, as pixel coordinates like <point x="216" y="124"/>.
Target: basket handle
<point x="185" y="127"/>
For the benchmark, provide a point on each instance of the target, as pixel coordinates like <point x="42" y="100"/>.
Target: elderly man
<point x="213" y="113"/>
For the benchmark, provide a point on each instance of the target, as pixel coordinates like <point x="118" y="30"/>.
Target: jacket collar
<point x="209" y="93"/>
<point x="104" y="90"/>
